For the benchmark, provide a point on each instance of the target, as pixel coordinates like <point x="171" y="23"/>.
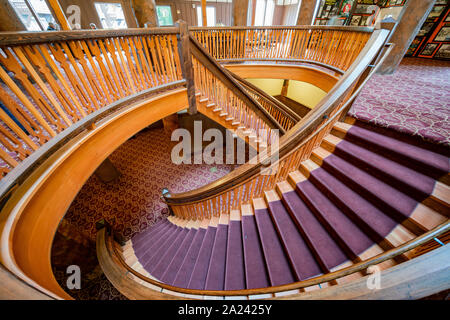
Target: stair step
<point x="210" y="105"/>
<point x="200" y="270"/>
<point x="412" y="182"/>
<point x="302" y="260"/>
<point x="158" y="270"/>
<point x="151" y="263"/>
<point x="373" y="222"/>
<point x="178" y="258"/>
<point x="276" y="261"/>
<point x="325" y="250"/>
<point x="148" y="250"/>
<point x="255" y="269"/>
<point x="140" y="246"/>
<point x="423" y="160"/>
<point x="217" y="109"/>
<point x="140" y="236"/>
<point x="235" y="269"/>
<point x="223" y="114"/>
<point x="215" y="278"/>
<point x="385" y="197"/>
<point x="184" y="273"/>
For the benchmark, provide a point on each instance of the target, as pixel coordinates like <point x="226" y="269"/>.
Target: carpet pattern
<point x="133" y="203"/>
<point x="414" y="100"/>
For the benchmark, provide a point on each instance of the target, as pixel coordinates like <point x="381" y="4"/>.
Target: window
<point x="34" y="14"/>
<point x="264" y="12"/>
<point x="164" y="14"/>
<point x="210" y="16"/>
<point x="111" y="15"/>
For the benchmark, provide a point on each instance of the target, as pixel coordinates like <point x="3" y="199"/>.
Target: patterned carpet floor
<point x="414" y="100"/>
<point x="130" y="205"/>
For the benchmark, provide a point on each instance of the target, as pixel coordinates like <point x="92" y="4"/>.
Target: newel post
<point x="186" y="64"/>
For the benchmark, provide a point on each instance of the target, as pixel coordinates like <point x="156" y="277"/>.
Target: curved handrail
<point x="357" y="267"/>
<point x="334" y="48"/>
<point x="207" y="61"/>
<point x="285" y="116"/>
<point x="291" y="142"/>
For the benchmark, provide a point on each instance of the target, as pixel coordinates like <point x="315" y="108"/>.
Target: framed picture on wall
<point x="443" y="52"/>
<point x="425" y="28"/>
<point x="364" y="21"/>
<point x="436" y="11"/>
<point x="443" y="35"/>
<point x="441" y="2"/>
<point x="355" y="20"/>
<point x="429" y="49"/>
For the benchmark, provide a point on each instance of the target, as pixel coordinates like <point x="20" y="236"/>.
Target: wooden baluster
<point x="18" y="92"/>
<point x="131" y="64"/>
<point x="26" y="63"/>
<point x="155" y="60"/>
<point x="107" y="45"/>
<point x="144" y="63"/>
<point x="148" y="55"/>
<point x="98" y="51"/>
<point x="81" y="77"/>
<point x="124" y="65"/>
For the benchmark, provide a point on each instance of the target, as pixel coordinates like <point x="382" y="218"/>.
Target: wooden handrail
<point x="289" y="143"/>
<point x="276" y="104"/>
<point x="38" y="37"/>
<point x="334" y="48"/>
<point x="307" y="27"/>
<point x="357" y="267"/>
<point x="207" y="61"/>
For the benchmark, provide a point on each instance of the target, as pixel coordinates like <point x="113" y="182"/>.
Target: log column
<point x="306" y="12"/>
<point x="409" y="22"/>
<point x="9" y="21"/>
<point x="145" y="12"/>
<point x="204" y="19"/>
<point x="240" y="9"/>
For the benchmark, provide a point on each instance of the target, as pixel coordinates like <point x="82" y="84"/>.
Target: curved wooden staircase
<point x="361" y="194"/>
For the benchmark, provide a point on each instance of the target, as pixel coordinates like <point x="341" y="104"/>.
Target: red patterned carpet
<point x="133" y="203"/>
<point x="414" y="100"/>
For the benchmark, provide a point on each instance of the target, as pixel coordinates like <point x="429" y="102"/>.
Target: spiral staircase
<point x="308" y="220"/>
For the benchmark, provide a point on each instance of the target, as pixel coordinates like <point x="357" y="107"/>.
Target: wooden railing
<point x="125" y="277"/>
<point x="216" y="84"/>
<point x="333" y="47"/>
<point x="49" y="81"/>
<point x="282" y="113"/>
<point x="274" y="165"/>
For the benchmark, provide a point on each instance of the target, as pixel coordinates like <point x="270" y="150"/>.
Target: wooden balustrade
<point x="251" y="180"/>
<point x="47" y="84"/>
<point x="334" y="47"/>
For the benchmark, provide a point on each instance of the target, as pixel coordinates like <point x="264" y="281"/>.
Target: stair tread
<point x="275" y="258"/>
<point x="235" y="269"/>
<point x="215" y="278"/>
<point x="391" y="170"/>
<point x="302" y="260"/>
<point x="386" y="195"/>
<point x="353" y="237"/>
<point x="168" y="255"/>
<point x="255" y="270"/>
<point x="439" y="162"/>
<point x="313" y="232"/>
<point x="151" y="263"/>
<point x="374" y="218"/>
<point x="178" y="258"/>
<point x="200" y="270"/>
<point x="150" y="248"/>
<point x="141" y="244"/>
<point x="184" y="273"/>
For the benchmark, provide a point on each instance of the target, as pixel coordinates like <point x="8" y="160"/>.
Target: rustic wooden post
<point x="9" y="21"/>
<point x="186" y="64"/>
<point x="59" y="14"/>
<point x="240" y="8"/>
<point x="408" y="25"/>
<point x="306" y="12"/>
<point x="145" y="12"/>
<point x="204" y="18"/>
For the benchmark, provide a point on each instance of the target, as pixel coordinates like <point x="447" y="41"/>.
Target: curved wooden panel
<point x="30" y="218"/>
<point x="314" y="76"/>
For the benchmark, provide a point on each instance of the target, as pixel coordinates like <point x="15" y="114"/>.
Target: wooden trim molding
<point x="31" y="216"/>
